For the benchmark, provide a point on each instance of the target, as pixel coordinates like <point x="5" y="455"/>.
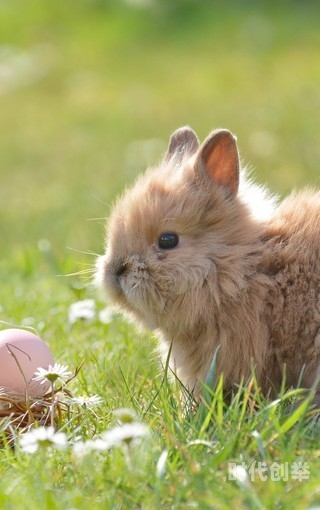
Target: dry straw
<point x="20" y="413"/>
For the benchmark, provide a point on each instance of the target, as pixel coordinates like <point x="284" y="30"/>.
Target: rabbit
<point x="214" y="264"/>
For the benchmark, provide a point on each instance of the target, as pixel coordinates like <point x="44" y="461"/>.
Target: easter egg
<point x="21" y="354"/>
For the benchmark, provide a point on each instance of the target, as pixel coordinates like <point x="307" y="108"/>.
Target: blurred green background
<point x="90" y="91"/>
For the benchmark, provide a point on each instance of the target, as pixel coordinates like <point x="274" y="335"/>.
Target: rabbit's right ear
<point x="182" y="142"/>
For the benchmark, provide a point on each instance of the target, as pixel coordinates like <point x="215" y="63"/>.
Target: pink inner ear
<point x="221" y="160"/>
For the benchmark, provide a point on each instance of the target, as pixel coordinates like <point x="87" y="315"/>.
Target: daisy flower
<point x="42" y="437"/>
<point x="82" y="310"/>
<point x="83" y="448"/>
<point x="106" y="315"/>
<point x="125" y="434"/>
<point x="53" y="373"/>
<point x="125" y="415"/>
<point x="84" y="401"/>
<point x="239" y="474"/>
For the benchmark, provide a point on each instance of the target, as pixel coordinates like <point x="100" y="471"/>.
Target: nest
<point x="20" y="413"/>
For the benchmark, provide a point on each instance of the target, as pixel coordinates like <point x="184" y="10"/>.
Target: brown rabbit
<point x="189" y="256"/>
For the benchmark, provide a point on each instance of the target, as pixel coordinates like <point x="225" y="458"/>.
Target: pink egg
<point x="22" y="351"/>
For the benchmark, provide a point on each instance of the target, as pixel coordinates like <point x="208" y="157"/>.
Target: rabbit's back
<point x="292" y="261"/>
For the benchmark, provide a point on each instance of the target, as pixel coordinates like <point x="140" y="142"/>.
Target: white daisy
<point x="42" y="437"/>
<point x="105" y="316"/>
<point x="82" y="310"/>
<point x="83" y="448"/>
<point x="85" y="401"/>
<point x="125" y="434"/>
<point x="239" y="474"/>
<point x="122" y="435"/>
<point x="125" y="415"/>
<point x="53" y="373"/>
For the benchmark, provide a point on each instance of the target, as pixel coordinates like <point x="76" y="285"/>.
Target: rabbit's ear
<point x="183" y="141"/>
<point x="219" y="158"/>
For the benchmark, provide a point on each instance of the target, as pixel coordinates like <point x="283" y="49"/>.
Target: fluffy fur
<point x="245" y="281"/>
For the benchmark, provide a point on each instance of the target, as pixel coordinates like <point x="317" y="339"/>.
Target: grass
<point x="89" y="93"/>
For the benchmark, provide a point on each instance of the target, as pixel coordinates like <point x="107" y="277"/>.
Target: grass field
<point x="89" y="92"/>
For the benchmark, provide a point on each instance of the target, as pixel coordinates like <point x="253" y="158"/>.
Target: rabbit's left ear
<point x="218" y="157"/>
<point x="182" y="142"/>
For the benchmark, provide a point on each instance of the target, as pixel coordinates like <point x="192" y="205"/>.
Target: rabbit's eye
<point x="168" y="241"/>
